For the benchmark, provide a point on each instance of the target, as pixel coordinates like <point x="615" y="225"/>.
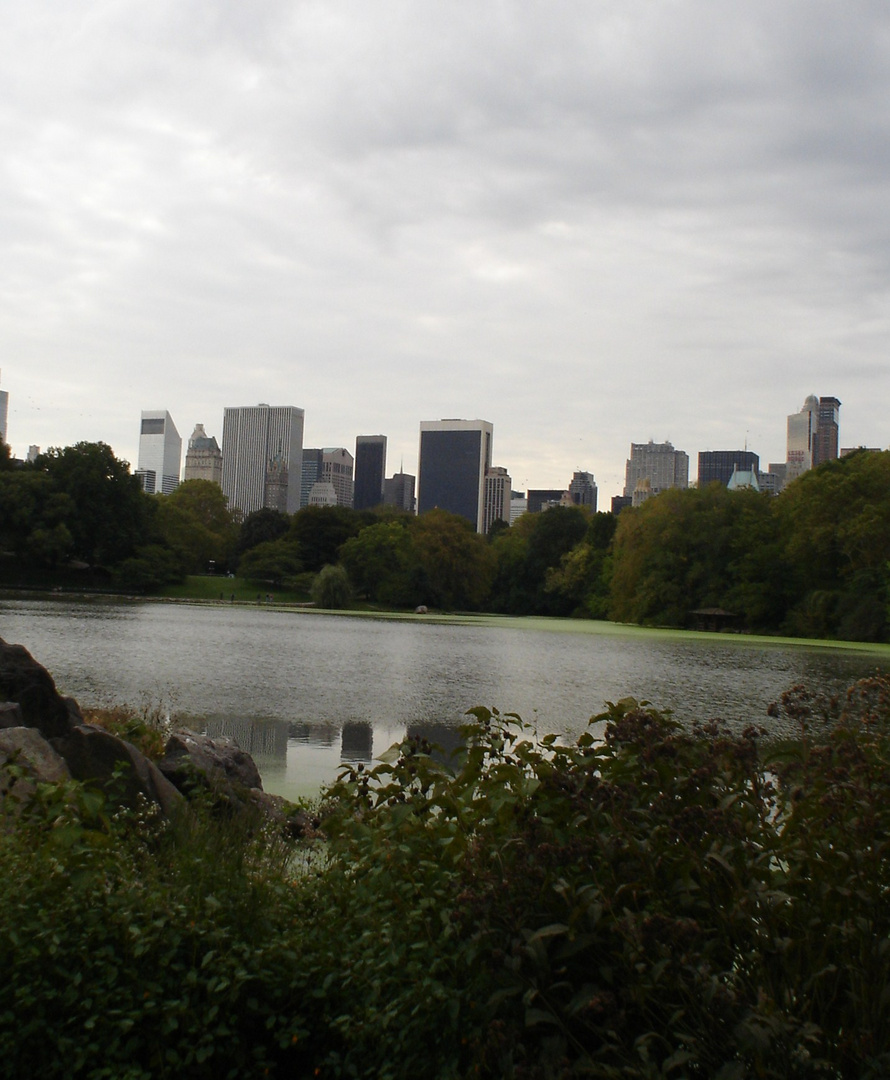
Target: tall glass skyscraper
<point x="454" y="456"/>
<point x="370" y="471"/>
<point x="262" y="450"/>
<point x="160" y="453"/>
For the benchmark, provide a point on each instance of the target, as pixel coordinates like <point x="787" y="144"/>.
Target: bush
<point x="658" y="902"/>
<point x="331" y="588"/>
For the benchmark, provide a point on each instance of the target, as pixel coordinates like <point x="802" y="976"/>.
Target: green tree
<point x="535" y="545"/>
<point x="383" y="564"/>
<point x="276" y="562"/>
<point x="687" y="549"/>
<point x="581" y="581"/>
<point x="260" y="527"/>
<point x="331" y="588"/>
<point x="152" y="567"/>
<point x="321" y="530"/>
<point x="195" y="522"/>
<point x="108" y="514"/>
<point x="457" y="562"/>
<point x="835" y="523"/>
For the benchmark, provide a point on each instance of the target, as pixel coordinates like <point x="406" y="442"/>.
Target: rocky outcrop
<point x="27" y="759"/>
<point x="29" y="685"/>
<point x="191" y="759"/>
<point x="45" y="735"/>
<point x="115" y="765"/>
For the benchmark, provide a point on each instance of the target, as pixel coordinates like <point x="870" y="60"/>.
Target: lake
<point x="303" y="691"/>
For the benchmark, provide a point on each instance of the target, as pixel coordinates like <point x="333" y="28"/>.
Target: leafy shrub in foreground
<point x="659" y="902"/>
<point x="663" y="902"/>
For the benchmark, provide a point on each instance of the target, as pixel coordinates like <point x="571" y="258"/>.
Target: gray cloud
<point x="591" y="224"/>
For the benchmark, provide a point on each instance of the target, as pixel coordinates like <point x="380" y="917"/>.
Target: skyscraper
<point x="160" y="453"/>
<point x="398" y="490"/>
<point x="659" y="464"/>
<point x="337" y="465"/>
<point x="262" y="451"/>
<point x="719" y="465"/>
<point x="4" y="413"/>
<point x="331" y="465"/>
<point x="812" y="435"/>
<point x="370" y="470"/>
<point x="203" y="459"/>
<point x="583" y="490"/>
<point x="310" y="472"/>
<point x="825" y="446"/>
<point x="454" y="455"/>
<point x="498" y="492"/>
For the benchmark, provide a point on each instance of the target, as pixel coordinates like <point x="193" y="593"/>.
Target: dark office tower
<point x="825" y="440"/>
<point x="539" y="499"/>
<point x="398" y="491"/>
<point x="454" y="455"/>
<point x="370" y="470"/>
<point x="719" y="465"/>
<point x="311" y="473"/>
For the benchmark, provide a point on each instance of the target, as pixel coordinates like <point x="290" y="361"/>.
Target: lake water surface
<point x="304" y="691"/>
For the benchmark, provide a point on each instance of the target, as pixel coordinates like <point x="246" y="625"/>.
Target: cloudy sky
<point x="590" y="223"/>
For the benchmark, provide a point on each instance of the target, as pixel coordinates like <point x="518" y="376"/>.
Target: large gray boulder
<point x="123" y="772"/>
<point x="29" y="685"/>
<point x="26" y="760"/>
<point x="191" y="760"/>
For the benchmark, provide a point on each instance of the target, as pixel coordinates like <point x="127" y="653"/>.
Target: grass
<point x="223" y="589"/>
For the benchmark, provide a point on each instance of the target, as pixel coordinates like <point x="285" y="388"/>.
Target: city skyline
<point x="635" y="221"/>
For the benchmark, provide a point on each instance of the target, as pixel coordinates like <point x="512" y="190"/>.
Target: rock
<point x="191" y="760"/>
<point x="93" y="754"/>
<point x="26" y="748"/>
<point x="11" y="715"/>
<point x="291" y="821"/>
<point x="29" y="685"/>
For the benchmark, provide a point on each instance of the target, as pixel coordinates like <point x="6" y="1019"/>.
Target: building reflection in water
<point x="357" y="741"/>
<point x="321" y="734"/>
<point x="259" y="738"/>
<point x="445" y="738"/>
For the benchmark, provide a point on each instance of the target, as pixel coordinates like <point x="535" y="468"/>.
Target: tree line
<point x="811" y="562"/>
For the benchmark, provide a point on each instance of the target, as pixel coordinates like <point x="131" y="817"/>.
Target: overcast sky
<point x="591" y="223"/>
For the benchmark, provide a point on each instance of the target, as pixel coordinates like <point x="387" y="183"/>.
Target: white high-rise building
<point x="498" y="490"/>
<point x="659" y="464"/>
<point x="262" y="451"/>
<point x="160" y="453"/>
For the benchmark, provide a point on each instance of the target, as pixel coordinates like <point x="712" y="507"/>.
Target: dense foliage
<point x="812" y="562"/>
<point x="657" y="902"/>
